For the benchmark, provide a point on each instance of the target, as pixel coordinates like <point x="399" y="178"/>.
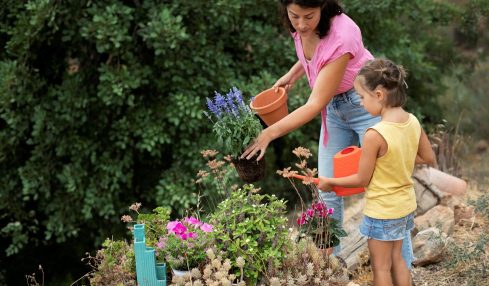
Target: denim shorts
<point x="387" y="229"/>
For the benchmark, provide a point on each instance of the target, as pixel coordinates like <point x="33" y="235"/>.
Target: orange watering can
<point x="345" y="163"/>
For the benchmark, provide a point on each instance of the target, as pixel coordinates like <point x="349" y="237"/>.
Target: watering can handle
<point x="314" y="180"/>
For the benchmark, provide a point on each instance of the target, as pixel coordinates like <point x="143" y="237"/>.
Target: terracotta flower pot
<point x="250" y="171"/>
<point x="271" y="106"/>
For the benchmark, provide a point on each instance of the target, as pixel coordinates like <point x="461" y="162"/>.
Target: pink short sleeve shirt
<point x="343" y="37"/>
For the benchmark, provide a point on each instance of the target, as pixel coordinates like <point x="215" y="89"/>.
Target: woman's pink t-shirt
<point x="343" y="37"/>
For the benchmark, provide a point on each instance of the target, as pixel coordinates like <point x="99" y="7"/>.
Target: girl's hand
<point x="259" y="145"/>
<point x="324" y="184"/>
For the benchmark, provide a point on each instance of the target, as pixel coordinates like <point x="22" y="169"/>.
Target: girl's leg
<point x="400" y="273"/>
<point x="381" y="261"/>
<point x="340" y="136"/>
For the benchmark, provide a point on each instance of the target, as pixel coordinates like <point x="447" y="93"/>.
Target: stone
<point x="481" y="146"/>
<point x="441" y="217"/>
<point x="463" y="212"/>
<point x="429" y="246"/>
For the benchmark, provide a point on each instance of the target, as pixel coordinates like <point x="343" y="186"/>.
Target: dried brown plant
<point x="215" y="272"/>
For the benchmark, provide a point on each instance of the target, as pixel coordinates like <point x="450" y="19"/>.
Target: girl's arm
<point x="288" y="79"/>
<point x="327" y="82"/>
<point x="425" y="152"/>
<point x="372" y="143"/>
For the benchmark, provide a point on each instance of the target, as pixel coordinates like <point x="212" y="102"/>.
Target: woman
<point x="330" y="50"/>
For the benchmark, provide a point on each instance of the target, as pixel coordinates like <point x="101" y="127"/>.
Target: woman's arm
<point x="288" y="79"/>
<point x="425" y="152"/>
<point x="372" y="142"/>
<point x="327" y="82"/>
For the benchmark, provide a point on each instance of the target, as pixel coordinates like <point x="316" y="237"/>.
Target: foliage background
<point x="101" y="104"/>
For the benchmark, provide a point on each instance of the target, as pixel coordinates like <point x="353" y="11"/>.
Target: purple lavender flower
<point x="213" y="108"/>
<point x="230" y="103"/>
<point x="238" y="96"/>
<point x="221" y="103"/>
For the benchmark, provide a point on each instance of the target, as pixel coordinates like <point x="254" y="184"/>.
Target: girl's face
<point x="371" y="99"/>
<point x="304" y="20"/>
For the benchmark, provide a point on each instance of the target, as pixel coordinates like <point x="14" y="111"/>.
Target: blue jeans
<point x="387" y="229"/>
<point x="347" y="122"/>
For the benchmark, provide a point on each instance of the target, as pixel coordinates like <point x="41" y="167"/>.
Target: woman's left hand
<point x="260" y="144"/>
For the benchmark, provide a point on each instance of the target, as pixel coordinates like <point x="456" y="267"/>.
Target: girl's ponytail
<point x="390" y="76"/>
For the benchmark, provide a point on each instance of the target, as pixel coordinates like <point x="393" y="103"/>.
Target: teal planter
<point x="148" y="272"/>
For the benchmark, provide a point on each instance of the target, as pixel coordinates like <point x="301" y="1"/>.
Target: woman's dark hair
<point x="329" y="9"/>
<point x="387" y="74"/>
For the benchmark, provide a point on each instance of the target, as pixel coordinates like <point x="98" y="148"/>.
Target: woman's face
<point x="304" y="20"/>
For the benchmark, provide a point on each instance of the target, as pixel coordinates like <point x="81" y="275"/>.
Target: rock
<point x="452" y="201"/>
<point x="441" y="217"/>
<point x="481" y="146"/>
<point x="463" y="212"/>
<point x="429" y="246"/>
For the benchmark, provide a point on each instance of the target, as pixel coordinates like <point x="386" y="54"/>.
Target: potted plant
<point x="305" y="264"/>
<point x="179" y="243"/>
<point x="184" y="244"/>
<point x="315" y="220"/>
<point x="251" y="226"/>
<point x="235" y="126"/>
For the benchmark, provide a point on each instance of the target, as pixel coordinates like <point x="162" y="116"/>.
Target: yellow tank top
<point x="390" y="193"/>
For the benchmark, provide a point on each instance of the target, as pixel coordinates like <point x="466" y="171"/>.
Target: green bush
<point x="251" y="226"/>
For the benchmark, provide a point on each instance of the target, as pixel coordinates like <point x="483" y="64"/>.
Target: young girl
<point x="389" y="152"/>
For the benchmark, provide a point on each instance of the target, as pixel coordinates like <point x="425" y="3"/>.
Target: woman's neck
<point x="309" y="45"/>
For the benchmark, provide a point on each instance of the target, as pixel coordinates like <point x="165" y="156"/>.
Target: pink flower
<point x="319" y="206"/>
<point x="330" y="211"/>
<point x="302" y="219"/>
<point x="170" y="225"/>
<point x="160" y="244"/>
<point x="192" y="220"/>
<point x="310" y="212"/>
<point x="323" y="213"/>
<point x="192" y="235"/>
<point x="207" y="227"/>
<point x="183" y="236"/>
<point x="176" y="227"/>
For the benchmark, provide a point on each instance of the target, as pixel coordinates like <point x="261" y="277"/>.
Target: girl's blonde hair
<point x="390" y="76"/>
